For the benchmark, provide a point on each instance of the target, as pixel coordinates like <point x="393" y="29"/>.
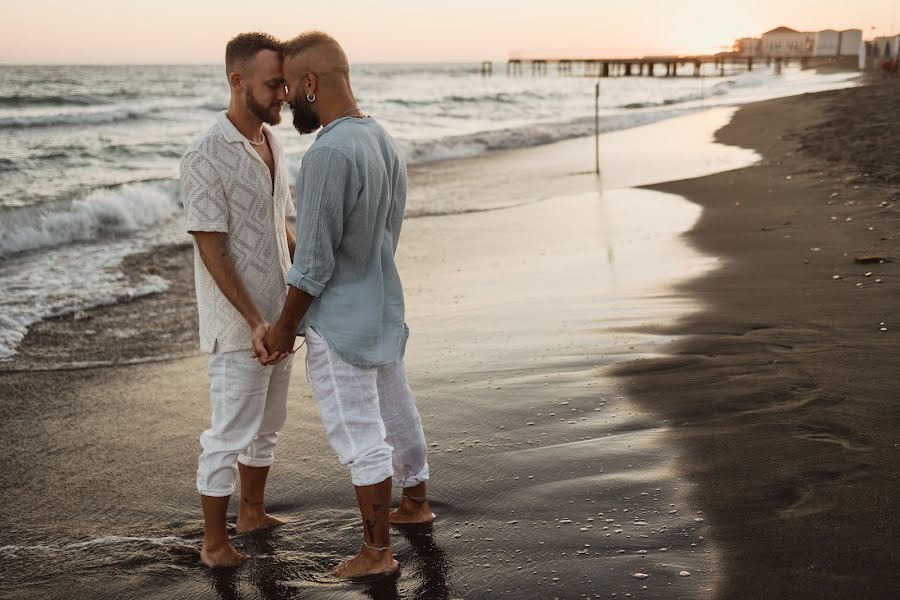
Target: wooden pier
<point x="647" y="66"/>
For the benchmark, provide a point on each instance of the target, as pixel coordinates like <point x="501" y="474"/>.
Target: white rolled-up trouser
<point x="369" y="415"/>
<point x="249" y="407"/>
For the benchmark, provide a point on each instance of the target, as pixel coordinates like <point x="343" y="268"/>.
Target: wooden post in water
<point x="597" y="128"/>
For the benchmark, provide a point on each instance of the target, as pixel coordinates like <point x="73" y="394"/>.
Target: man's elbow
<point x="210" y="244"/>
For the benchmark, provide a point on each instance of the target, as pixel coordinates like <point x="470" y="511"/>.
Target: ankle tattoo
<point x="252" y="502"/>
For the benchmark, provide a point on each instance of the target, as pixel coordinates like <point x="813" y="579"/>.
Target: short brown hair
<point x="306" y="40"/>
<point x="244" y="46"/>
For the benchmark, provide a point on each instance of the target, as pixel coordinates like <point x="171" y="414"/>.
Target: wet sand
<point x="552" y="479"/>
<point x="548" y="481"/>
<point x="784" y="390"/>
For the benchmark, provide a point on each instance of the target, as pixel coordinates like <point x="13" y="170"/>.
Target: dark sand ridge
<point x="549" y="482"/>
<point x="786" y="390"/>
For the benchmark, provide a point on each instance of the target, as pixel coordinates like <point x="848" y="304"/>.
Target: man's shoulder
<point x="353" y="140"/>
<point x="204" y="144"/>
<point x="325" y="149"/>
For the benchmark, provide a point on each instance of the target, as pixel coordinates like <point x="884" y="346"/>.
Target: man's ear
<point x="235" y="80"/>
<point x="309" y="83"/>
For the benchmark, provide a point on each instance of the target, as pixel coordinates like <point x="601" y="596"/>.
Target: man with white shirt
<point x="236" y="200"/>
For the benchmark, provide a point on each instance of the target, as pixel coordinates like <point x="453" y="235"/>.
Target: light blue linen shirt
<point x="351" y="194"/>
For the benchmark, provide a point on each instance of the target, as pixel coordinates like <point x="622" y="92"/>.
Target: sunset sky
<point x="195" y="31"/>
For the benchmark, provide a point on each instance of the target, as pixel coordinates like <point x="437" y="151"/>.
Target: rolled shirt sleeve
<point x="203" y="195"/>
<point x="327" y="187"/>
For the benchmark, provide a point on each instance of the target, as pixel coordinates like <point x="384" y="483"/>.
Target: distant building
<point x="886" y="47"/>
<point x="787" y="42"/>
<point x="748" y="46"/>
<point x="837" y="43"/>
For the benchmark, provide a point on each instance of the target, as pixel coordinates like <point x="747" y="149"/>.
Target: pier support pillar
<point x="627" y="69"/>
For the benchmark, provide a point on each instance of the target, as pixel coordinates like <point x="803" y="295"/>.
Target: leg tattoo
<point x="370" y="525"/>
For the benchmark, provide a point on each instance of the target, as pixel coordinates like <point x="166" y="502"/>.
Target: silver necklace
<point x="347" y="112"/>
<point x="260" y="142"/>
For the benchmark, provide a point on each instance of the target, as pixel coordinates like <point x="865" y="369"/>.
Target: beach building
<point x="830" y="42"/>
<point x="787" y="42"/>
<point x="748" y="46"/>
<point x="886" y="47"/>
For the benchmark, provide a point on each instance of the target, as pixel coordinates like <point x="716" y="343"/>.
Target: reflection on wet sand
<point x="547" y="481"/>
<point x="277" y="573"/>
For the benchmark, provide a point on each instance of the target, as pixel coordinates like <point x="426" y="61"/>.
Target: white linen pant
<point x="369" y="415"/>
<point x="249" y="407"/>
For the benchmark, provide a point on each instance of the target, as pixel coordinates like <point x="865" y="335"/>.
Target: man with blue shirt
<point x="345" y="296"/>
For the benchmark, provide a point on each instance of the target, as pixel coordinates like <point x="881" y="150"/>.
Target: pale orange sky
<point x="195" y="31"/>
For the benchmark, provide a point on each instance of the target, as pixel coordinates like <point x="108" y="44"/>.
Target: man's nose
<point x="281" y="93"/>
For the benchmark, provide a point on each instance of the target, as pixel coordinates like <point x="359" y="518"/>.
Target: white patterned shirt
<point x="226" y="187"/>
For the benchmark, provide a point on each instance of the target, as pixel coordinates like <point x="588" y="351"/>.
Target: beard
<point x="270" y="115"/>
<point x="305" y="118"/>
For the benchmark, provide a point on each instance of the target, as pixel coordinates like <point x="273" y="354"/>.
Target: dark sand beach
<point x="784" y="389"/>
<point x="603" y="398"/>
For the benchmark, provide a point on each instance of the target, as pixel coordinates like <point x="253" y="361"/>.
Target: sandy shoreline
<point x="781" y="428"/>
<point x="784" y="389"/>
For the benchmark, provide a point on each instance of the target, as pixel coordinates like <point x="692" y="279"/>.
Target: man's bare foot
<point x="262" y="521"/>
<point x="368" y="563"/>
<point x="411" y="512"/>
<point x="222" y="556"/>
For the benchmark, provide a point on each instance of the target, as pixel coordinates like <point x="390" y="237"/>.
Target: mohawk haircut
<point x="306" y="40"/>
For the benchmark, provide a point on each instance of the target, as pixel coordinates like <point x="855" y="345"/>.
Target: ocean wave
<point x="103" y="212"/>
<point x="24" y="100"/>
<point x="14" y="326"/>
<point x="97" y="117"/>
<point x="464" y="146"/>
<point x="216" y="105"/>
<point x="494" y="98"/>
<point x="13" y="551"/>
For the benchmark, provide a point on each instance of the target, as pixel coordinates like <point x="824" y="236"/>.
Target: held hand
<point x="280" y="342"/>
<point x="259" y="348"/>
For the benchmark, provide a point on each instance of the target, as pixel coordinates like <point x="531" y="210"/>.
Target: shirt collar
<point x="233" y="136"/>
<point x="331" y="125"/>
